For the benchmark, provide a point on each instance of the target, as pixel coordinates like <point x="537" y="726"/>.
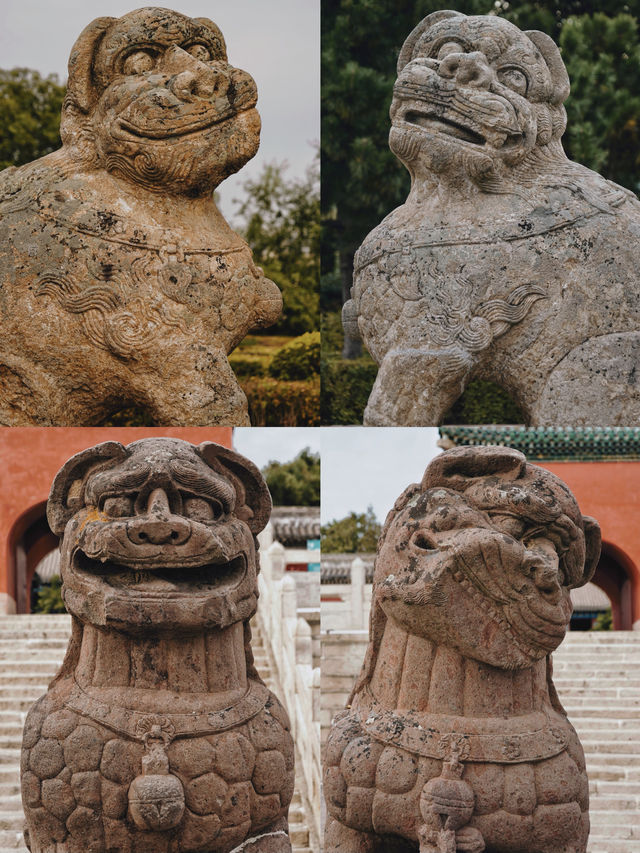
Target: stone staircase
<point x="597" y="675"/>
<point x="31" y="651"/>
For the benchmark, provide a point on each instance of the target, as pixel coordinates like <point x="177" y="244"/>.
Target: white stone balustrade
<point x="289" y="645"/>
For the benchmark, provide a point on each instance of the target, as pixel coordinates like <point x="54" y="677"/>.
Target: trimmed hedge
<point x="484" y="402"/>
<point x="277" y="403"/>
<point x="346" y="386"/>
<point x="299" y="359"/>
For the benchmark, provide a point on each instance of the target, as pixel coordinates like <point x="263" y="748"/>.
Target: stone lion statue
<point x="158" y="734"/>
<point x="454" y="738"/>
<point x="507" y="261"/>
<point x="121" y="283"/>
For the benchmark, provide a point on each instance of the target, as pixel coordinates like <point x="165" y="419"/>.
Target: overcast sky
<point x="371" y="465"/>
<point x="276" y="41"/>
<point x="280" y="444"/>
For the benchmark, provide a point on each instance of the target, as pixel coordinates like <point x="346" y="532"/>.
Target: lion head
<point x="481" y="557"/>
<point x="152" y="98"/>
<point x="476" y="95"/>
<point x="159" y="532"/>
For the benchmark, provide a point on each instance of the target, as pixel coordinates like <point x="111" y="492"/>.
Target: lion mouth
<point x="174" y="580"/>
<point x="450" y="124"/>
<point x="440" y="124"/>
<point x="166" y="130"/>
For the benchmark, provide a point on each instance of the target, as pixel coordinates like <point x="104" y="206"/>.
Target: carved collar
<point x="491" y="740"/>
<point x="135" y="725"/>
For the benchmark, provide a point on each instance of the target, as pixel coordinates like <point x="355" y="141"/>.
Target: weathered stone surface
<point x="157" y="734"/>
<point x="454" y="738"/>
<point x="507" y="261"/>
<point x="120" y="281"/>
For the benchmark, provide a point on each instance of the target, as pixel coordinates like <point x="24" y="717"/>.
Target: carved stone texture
<point x="454" y="738"/>
<point x="158" y="734"/>
<point x="120" y="281"/>
<point x="507" y="261"/>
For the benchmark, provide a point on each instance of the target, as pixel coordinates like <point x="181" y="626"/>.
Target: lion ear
<point x="593" y="544"/>
<point x="406" y="54"/>
<point x="66" y="496"/>
<point x="80" y="88"/>
<point x="456" y="468"/>
<point x="551" y="55"/>
<point x="253" y="504"/>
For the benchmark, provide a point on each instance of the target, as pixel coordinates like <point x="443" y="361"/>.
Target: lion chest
<point x="80" y="778"/>
<point x="128" y="284"/>
<point x="376" y="787"/>
<point x="459" y="286"/>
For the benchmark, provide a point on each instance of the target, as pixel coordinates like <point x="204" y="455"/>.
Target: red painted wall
<point x="610" y="492"/>
<point x="30" y="457"/>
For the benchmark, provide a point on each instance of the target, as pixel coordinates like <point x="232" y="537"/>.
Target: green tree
<point x="358" y="532"/>
<point x="603" y="60"/>
<point x="29" y="115"/>
<point x="295" y="483"/>
<point x="50" y="597"/>
<point x="282" y="226"/>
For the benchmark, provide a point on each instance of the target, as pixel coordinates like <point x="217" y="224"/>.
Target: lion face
<point x="164" y="108"/>
<point x="475" y="94"/>
<point x="158" y="536"/>
<point x="484" y="562"/>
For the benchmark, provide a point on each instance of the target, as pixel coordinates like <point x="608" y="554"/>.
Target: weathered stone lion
<point x="158" y="734"/>
<point x="120" y="282"/>
<point x="507" y="261"/>
<point x="454" y="739"/>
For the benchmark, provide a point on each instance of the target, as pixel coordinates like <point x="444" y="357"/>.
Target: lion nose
<point x="471" y="69"/>
<point x="205" y="82"/>
<point x="159" y="526"/>
<point x="192" y="77"/>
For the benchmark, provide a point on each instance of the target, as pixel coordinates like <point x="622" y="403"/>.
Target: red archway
<point x="29" y="540"/>
<point x="615" y="575"/>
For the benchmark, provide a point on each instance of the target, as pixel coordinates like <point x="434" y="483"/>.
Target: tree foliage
<point x="29" y="115"/>
<point x="50" y="597"/>
<point x="295" y="483"/>
<point x="357" y="533"/>
<point x="282" y="226"/>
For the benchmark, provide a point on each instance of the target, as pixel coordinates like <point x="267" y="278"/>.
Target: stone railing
<point x="345" y="606"/>
<point x="342" y="656"/>
<point x="288" y="641"/>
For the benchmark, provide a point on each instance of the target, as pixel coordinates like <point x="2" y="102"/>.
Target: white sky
<point x="276" y="41"/>
<point x="282" y="444"/>
<point x="371" y="465"/>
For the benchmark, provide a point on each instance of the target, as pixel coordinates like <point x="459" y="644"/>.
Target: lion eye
<point x="450" y="47"/>
<point x="199" y="51"/>
<point x="118" y="507"/>
<point x="138" y="62"/>
<point x="514" y="79"/>
<point x="201" y="510"/>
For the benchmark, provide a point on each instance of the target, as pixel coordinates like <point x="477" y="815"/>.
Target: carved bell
<point x="156" y="798"/>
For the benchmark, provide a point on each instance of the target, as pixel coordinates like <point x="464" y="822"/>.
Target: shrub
<point x="276" y="403"/>
<point x="603" y="622"/>
<point x="50" y="597"/>
<point x="484" y="402"/>
<point x="299" y="359"/>
<point x="346" y="386"/>
<point x="245" y="366"/>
